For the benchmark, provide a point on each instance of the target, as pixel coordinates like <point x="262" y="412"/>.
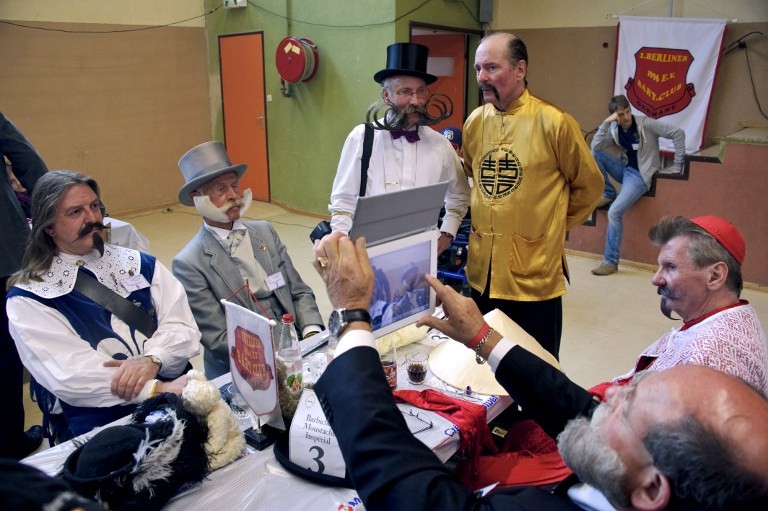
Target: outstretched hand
<point x="345" y="269"/>
<point x="463" y="320"/>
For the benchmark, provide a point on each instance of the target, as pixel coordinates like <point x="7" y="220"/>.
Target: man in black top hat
<point x="406" y="153"/>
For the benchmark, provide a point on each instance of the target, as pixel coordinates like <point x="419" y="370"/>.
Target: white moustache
<point x="207" y="208"/>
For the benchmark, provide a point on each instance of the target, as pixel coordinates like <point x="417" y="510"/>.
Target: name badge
<point x="635" y="147"/>
<point x="312" y="443"/>
<point x="134" y="283"/>
<point x="275" y="281"/>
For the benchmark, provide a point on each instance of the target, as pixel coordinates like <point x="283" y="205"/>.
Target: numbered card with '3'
<point x="312" y="444"/>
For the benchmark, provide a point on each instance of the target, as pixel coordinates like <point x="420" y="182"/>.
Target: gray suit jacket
<point x="209" y="275"/>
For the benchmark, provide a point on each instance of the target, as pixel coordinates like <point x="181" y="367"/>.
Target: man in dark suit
<point x="14" y="230"/>
<point x="667" y="441"/>
<point x="226" y="252"/>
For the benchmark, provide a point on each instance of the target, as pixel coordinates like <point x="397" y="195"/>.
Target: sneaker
<point x="605" y="269"/>
<point x="604" y="203"/>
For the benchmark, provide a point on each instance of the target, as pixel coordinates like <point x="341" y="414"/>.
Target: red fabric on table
<point x="469" y="417"/>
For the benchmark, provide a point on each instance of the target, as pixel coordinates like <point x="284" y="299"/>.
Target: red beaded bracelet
<point x="479" y="337"/>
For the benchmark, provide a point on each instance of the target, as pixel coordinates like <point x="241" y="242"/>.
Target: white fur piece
<point x="200" y="395"/>
<point x="225" y="441"/>
<point x="154" y="457"/>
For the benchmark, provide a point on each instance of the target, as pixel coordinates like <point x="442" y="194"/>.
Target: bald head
<point x="732" y="409"/>
<point x="707" y="434"/>
<point x="689" y="437"/>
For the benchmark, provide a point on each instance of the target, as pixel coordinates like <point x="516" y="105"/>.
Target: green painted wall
<point x="307" y="131"/>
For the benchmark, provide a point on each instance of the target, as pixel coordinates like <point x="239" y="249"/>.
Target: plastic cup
<point x="317" y="364"/>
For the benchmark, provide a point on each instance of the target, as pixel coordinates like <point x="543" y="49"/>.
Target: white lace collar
<point x="116" y="264"/>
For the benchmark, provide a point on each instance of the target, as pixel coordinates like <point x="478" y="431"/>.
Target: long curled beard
<point x="383" y="115"/>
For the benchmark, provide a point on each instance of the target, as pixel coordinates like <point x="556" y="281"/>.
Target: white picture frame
<point x="399" y="298"/>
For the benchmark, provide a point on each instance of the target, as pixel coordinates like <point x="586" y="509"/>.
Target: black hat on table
<point x="141" y="465"/>
<point x="409" y="59"/>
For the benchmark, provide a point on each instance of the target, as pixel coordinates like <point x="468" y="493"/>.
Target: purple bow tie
<point x="410" y="136"/>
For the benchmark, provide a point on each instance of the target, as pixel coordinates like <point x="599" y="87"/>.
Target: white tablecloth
<point x="258" y="482"/>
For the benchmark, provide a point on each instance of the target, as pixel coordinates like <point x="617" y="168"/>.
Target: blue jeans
<point x="632" y="188"/>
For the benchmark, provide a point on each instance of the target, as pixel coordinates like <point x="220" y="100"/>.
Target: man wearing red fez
<point x="699" y="279"/>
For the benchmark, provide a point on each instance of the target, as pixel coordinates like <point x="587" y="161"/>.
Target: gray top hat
<point x="202" y="163"/>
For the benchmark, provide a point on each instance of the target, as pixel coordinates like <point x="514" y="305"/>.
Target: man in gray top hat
<point x="227" y="251"/>
<point x="405" y="151"/>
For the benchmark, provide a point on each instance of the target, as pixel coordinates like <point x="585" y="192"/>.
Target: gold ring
<point x="322" y="261"/>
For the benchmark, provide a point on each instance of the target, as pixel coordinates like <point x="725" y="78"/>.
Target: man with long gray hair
<point x="99" y="327"/>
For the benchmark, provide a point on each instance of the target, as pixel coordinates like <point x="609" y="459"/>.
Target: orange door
<point x="448" y="53"/>
<point x="245" y="123"/>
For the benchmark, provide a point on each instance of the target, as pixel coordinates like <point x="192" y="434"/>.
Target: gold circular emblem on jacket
<point x="500" y="173"/>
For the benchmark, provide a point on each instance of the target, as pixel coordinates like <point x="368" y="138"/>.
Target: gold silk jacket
<point x="534" y="178"/>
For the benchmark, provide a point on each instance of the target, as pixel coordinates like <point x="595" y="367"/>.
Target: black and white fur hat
<point x="142" y="465"/>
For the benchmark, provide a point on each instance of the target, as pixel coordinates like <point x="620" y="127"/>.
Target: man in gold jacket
<point x="534" y="178"/>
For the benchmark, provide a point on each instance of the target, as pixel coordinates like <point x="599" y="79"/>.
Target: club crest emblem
<point x="659" y="86"/>
<point x="249" y="359"/>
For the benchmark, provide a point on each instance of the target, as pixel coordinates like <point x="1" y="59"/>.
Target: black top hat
<point x="408" y="59"/>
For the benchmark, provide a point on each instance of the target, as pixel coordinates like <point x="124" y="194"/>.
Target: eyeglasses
<point x="420" y="93"/>
<point x="426" y="422"/>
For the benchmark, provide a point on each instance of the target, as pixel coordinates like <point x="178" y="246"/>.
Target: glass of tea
<point x="416" y="363"/>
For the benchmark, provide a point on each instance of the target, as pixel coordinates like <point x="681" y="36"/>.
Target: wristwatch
<point x="155" y="360"/>
<point x="342" y="317"/>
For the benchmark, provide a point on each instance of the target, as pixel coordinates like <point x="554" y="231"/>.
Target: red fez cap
<point x="725" y="233"/>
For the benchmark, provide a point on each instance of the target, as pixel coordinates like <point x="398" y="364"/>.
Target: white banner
<point x="666" y="67"/>
<point x="252" y="358"/>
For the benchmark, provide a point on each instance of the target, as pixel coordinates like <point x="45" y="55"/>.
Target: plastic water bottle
<point x="289" y="353"/>
<point x="333" y="341"/>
